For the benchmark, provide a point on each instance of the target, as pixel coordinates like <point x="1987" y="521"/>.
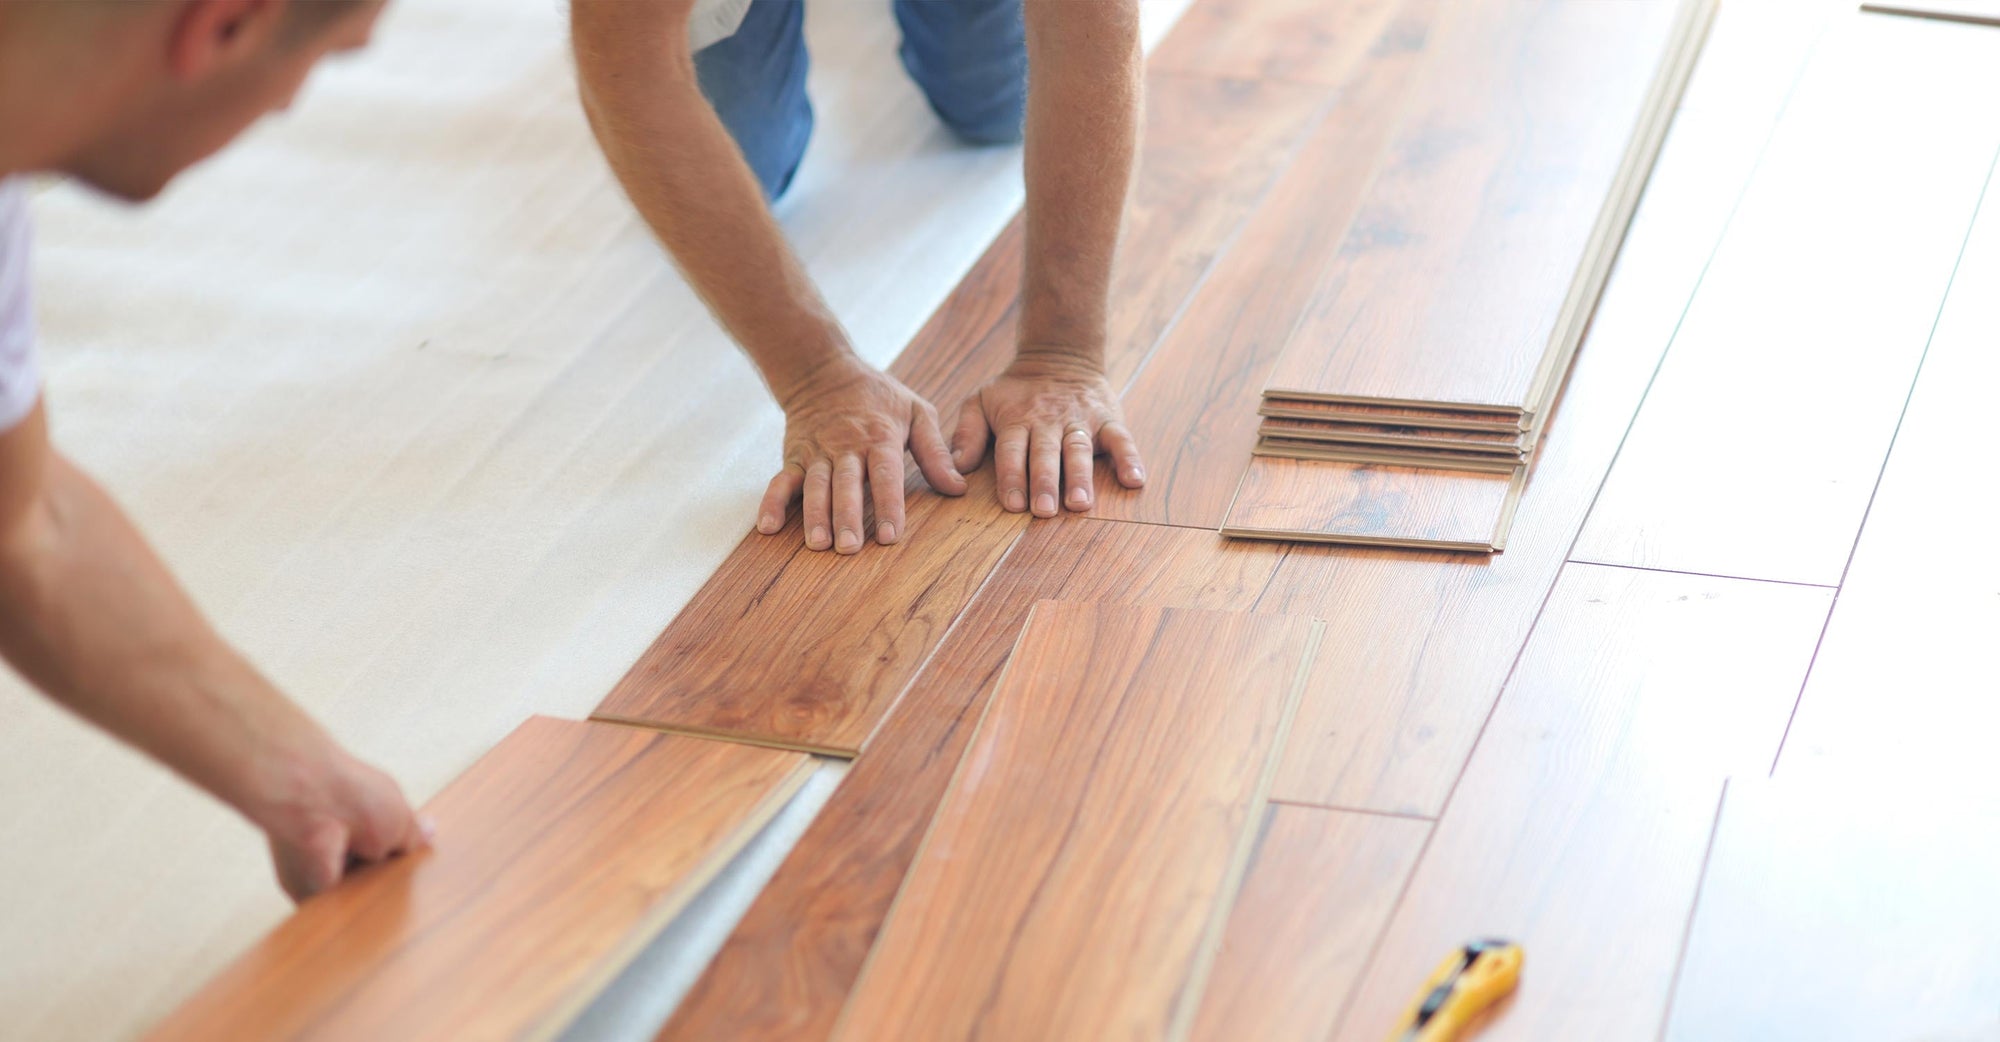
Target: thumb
<point x="968" y="442"/>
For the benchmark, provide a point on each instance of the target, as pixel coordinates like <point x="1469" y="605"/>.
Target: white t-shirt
<point x="713" y="21"/>
<point x="20" y="367"/>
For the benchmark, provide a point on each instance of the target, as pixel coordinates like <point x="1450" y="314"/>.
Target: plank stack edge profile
<point x="1332" y="466"/>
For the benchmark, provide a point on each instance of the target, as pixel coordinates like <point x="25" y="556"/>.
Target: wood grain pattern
<point x="559" y="854"/>
<point x="1804" y="319"/>
<point x="787" y="647"/>
<point x="1454" y="284"/>
<point x="1846" y="910"/>
<point x="1368" y="504"/>
<point x="1971" y="12"/>
<point x="787" y="969"/>
<point x="1053" y="836"/>
<point x="1581" y="822"/>
<point x="1301" y="40"/>
<point x="1903" y="683"/>
<point x="1388" y="720"/>
<point x="1190" y="407"/>
<point x="1321" y="886"/>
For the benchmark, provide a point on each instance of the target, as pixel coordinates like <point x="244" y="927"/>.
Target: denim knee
<point x="970" y="58"/>
<point x="756" y="80"/>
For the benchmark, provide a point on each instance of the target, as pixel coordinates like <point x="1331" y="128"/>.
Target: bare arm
<point x="845" y="421"/>
<point x="1053" y="409"/>
<point x="91" y="616"/>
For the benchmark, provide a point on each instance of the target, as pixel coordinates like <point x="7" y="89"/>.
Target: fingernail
<point x="767" y="524"/>
<point x="428" y="828"/>
<point x="818" y="536"/>
<point x="1017" y="500"/>
<point x="1045" y="504"/>
<point x="848" y="540"/>
<point x="1079" y="498"/>
<point x="1135" y="474"/>
<point x="885" y="532"/>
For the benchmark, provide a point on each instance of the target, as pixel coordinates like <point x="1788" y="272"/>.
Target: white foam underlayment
<point x="418" y="410"/>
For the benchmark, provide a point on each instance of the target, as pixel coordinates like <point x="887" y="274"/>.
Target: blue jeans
<point x="970" y="57"/>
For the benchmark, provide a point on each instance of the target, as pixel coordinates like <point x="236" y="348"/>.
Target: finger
<point x="847" y="505"/>
<point x="968" y="442"/>
<point x="1124" y="451"/>
<point x="819" y="505"/>
<point x="313" y="866"/>
<point x="933" y="459"/>
<point x="885" y="480"/>
<point x="1045" y="469"/>
<point x="1010" y="468"/>
<point x="1079" y="453"/>
<point x="778" y="498"/>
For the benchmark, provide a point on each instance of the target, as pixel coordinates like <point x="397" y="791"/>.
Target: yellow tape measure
<point x="1466" y="982"/>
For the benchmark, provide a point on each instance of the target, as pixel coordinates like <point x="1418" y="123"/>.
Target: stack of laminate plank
<point x="1408" y="402"/>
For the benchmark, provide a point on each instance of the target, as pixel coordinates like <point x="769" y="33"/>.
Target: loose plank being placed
<point x="799" y="649"/>
<point x="559" y="854"/>
<point x="1971" y="12"/>
<point x="1074" y="882"/>
<point x="1465" y="279"/>
<point x="786" y="971"/>
<point x="1580" y="824"/>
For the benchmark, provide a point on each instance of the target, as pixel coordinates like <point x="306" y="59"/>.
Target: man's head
<point x="155" y="86"/>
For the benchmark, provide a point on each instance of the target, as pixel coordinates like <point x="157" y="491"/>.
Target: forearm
<point x="1084" y="110"/>
<point x="689" y="182"/>
<point x="91" y="616"/>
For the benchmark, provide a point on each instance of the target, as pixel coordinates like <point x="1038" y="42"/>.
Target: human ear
<point x="212" y="34"/>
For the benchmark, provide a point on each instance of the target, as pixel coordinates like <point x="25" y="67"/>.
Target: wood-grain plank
<point x="1903" y="683"/>
<point x="1581" y="822"/>
<point x="1846" y="910"/>
<point x="1301" y="40"/>
<point x="1444" y="438"/>
<point x="1348" y="412"/>
<point x="1761" y="440"/>
<point x="558" y="855"/>
<point x="1389" y="718"/>
<point x="788" y="647"/>
<point x="786" y="970"/>
<point x="1191" y="406"/>
<point x="1081" y="864"/>
<point x="1454" y="284"/>
<point x="1321" y="886"/>
<point x="1306" y="449"/>
<point x="1373" y="504"/>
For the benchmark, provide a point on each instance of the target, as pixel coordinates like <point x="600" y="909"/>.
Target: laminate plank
<point x="559" y="853"/>
<point x="797" y="649"/>
<point x="1845" y="910"/>
<point x="1388" y="720"/>
<point x="1807" y="332"/>
<point x="1299" y="40"/>
<point x="1498" y="443"/>
<point x="1055" y="841"/>
<point x="1582" y="820"/>
<point x="1374" y="504"/>
<point x="1903" y="683"/>
<point x="1190" y="407"/>
<point x="1354" y="412"/>
<point x="1455" y="284"/>
<point x="1321" y="886"/>
<point x="1970" y="12"/>
<point x="787" y="969"/>
<point x="1380" y="455"/>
